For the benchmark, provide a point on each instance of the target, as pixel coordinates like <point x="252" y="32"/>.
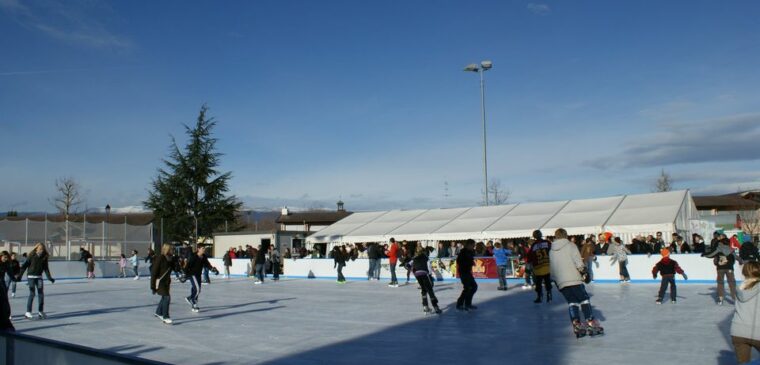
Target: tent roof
<point x="667" y="212"/>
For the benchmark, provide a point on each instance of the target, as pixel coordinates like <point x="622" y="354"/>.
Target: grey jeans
<point x="502" y="269"/>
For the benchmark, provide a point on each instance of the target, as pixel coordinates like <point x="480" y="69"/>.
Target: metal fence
<point x="63" y="239"/>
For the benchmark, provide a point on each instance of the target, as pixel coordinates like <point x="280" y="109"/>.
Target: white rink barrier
<point x="698" y="269"/>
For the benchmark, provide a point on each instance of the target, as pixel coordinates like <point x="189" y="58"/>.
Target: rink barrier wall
<point x="22" y="349"/>
<point x="697" y="268"/>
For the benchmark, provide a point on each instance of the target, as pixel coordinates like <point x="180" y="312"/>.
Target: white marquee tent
<point x="628" y="215"/>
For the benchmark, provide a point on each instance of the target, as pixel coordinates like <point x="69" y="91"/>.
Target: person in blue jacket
<point x="501" y="255"/>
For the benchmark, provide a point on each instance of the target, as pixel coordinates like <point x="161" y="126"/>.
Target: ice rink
<point x="301" y="321"/>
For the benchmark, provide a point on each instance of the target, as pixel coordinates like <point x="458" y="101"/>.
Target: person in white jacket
<point x="567" y="269"/>
<point x="745" y="327"/>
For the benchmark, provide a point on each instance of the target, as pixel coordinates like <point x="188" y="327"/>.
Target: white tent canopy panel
<point x="583" y="216"/>
<point x="336" y="231"/>
<point x="523" y="220"/>
<point x="377" y="230"/>
<point x="426" y="223"/>
<point x="471" y="223"/>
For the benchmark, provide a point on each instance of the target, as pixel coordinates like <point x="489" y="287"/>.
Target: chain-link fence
<point x="63" y="239"/>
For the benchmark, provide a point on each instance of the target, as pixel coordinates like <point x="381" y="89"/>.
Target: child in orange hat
<point x="667" y="269"/>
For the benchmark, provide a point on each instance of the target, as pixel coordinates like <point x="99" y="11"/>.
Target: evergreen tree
<point x="189" y="192"/>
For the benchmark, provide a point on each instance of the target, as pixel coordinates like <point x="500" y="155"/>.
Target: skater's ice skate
<point x="195" y="308"/>
<point x="579" y="329"/>
<point x="658" y="301"/>
<point x="437" y="310"/>
<point x="593" y="328"/>
<point x="41" y="315"/>
<point x="28" y="315"/>
<point x="426" y="309"/>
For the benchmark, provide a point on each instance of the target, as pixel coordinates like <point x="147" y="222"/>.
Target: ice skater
<point x="90" y="268"/>
<point x="724" y="259"/>
<point x="745" y="326"/>
<point x="15" y="269"/>
<point x="619" y="254"/>
<point x="501" y="256"/>
<point x="161" y="280"/>
<point x="5" y="306"/>
<point x="36" y="263"/>
<point x="135" y="261"/>
<point x="339" y="261"/>
<point x="568" y="269"/>
<point x="465" y="262"/>
<point x="194" y="269"/>
<point x="422" y="272"/>
<point x="667" y="269"/>
<point x="539" y="258"/>
<point x="123" y="266"/>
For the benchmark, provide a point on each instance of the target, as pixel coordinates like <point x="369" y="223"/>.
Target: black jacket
<point x="373" y="252"/>
<point x="36" y="264"/>
<point x="160" y="274"/>
<point x="748" y="252"/>
<point x="420" y="263"/>
<point x="227" y="259"/>
<point x="195" y="265"/>
<point x="261" y="257"/>
<point x="465" y="262"/>
<point x="338" y="258"/>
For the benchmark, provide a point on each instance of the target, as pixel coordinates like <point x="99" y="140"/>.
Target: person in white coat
<point x="567" y="270"/>
<point x="745" y="327"/>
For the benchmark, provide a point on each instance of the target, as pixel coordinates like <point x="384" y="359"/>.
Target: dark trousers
<point x="10" y="283"/>
<point x="624" y="270"/>
<point x="546" y="281"/>
<point x="578" y="300"/>
<point x="5" y="310"/>
<point x="35" y="285"/>
<point x="259" y="270"/>
<point x="275" y="270"/>
<point x="163" y="306"/>
<point x="468" y="290"/>
<point x="729" y="274"/>
<point x="340" y="273"/>
<point x="667" y="280"/>
<point x="393" y="273"/>
<point x="195" y="289"/>
<point x="426" y="289"/>
<point x="528" y="274"/>
<point x="134" y="268"/>
<point x="206" y="279"/>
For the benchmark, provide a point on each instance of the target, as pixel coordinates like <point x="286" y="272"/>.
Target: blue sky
<point x="367" y="101"/>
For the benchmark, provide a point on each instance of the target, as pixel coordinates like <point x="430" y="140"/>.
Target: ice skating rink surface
<point x="301" y="321"/>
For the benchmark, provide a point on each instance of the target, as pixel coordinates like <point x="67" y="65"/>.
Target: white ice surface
<point x="303" y="321"/>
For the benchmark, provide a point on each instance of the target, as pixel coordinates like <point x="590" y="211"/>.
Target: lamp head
<point x="486" y="65"/>
<point x="471" y="67"/>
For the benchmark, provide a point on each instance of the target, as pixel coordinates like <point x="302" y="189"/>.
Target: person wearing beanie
<point x="539" y="258"/>
<point x="723" y="259"/>
<point x="667" y="269"/>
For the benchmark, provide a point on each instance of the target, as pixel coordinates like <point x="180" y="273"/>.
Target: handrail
<point x="10" y="339"/>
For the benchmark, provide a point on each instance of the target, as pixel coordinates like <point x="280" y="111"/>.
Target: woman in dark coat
<point x="161" y="279"/>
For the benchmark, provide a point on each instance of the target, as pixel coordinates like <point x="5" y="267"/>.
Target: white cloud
<point x="726" y="139"/>
<point x="73" y="23"/>
<point x="540" y="9"/>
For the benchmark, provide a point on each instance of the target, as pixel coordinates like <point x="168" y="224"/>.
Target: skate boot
<point x="437" y="310"/>
<point x="579" y="329"/>
<point x="538" y="300"/>
<point x="549" y="297"/>
<point x="594" y="328"/>
<point x="426" y="309"/>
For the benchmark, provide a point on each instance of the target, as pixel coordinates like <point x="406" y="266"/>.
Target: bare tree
<point x="664" y="182"/>
<point x="497" y="194"/>
<point x="749" y="217"/>
<point x="68" y="196"/>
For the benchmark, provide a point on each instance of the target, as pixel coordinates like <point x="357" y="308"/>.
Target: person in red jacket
<point x="667" y="269"/>
<point x="392" y="254"/>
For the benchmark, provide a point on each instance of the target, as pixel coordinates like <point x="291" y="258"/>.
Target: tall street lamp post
<point x="480" y="69"/>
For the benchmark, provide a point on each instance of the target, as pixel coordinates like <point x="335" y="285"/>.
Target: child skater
<point x="123" y="266"/>
<point x="667" y="269"/>
<point x="90" y="268"/>
<point x="421" y="268"/>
